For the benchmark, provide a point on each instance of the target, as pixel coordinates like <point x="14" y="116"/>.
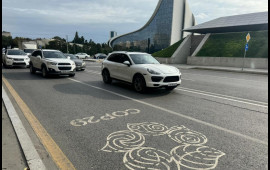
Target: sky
<point x="94" y="19"/>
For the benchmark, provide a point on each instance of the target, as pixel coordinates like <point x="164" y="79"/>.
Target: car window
<point x="124" y="58"/>
<point x="15" y="52"/>
<point x="143" y="59"/>
<point x="112" y="57"/>
<point x="53" y="54"/>
<point x="35" y="53"/>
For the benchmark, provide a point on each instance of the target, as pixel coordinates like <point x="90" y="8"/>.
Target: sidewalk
<point x="12" y="155"/>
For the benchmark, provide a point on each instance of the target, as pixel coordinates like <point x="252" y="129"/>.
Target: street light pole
<point x="67" y="43"/>
<point x="244" y="59"/>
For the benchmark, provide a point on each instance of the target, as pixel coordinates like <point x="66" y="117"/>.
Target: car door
<point x="33" y="58"/>
<point x="37" y="61"/>
<point x="124" y="71"/>
<point x="111" y="64"/>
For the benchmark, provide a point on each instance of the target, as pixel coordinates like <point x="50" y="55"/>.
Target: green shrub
<point x="168" y="52"/>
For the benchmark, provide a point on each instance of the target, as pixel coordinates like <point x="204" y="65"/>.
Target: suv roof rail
<point x="119" y="52"/>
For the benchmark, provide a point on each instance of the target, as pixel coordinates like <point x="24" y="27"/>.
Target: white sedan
<point x="141" y="70"/>
<point x="82" y="55"/>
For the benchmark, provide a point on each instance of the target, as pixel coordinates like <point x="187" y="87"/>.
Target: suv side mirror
<point x="39" y="57"/>
<point x="127" y="63"/>
<point x="68" y="57"/>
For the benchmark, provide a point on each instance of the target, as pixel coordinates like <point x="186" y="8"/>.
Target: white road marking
<point x="32" y="157"/>
<point x="230" y="99"/>
<point x="177" y="114"/>
<point x="215" y="95"/>
<point x="255" y="101"/>
<point x="220" y="77"/>
<point x="190" y="145"/>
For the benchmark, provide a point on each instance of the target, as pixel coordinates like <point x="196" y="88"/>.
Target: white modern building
<point x="164" y="28"/>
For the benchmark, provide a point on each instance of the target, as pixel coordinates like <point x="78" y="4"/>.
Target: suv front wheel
<point x="44" y="71"/>
<point x="106" y="77"/>
<point x="139" y="84"/>
<point x="32" y="69"/>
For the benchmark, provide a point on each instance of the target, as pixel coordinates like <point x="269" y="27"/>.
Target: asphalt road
<point x="214" y="119"/>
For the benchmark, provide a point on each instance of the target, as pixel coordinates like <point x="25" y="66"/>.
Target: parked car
<point x="141" y="70"/>
<point x="100" y="56"/>
<point x="28" y="51"/>
<point x="51" y="62"/>
<point x="15" y="57"/>
<point x="80" y="64"/>
<point x="82" y="55"/>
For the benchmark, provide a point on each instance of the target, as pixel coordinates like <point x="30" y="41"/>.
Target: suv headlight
<point x="73" y="63"/>
<point x="52" y="63"/>
<point x="153" y="72"/>
<point x="9" y="58"/>
<point x="83" y="63"/>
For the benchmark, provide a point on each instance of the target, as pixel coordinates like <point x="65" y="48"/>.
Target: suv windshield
<point x="29" y="50"/>
<point x="15" y="52"/>
<point x="143" y="59"/>
<point x="53" y="54"/>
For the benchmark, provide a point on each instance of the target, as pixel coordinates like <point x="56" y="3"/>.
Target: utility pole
<point x="67" y="42"/>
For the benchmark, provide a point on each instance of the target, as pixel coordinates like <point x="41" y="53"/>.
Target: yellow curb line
<point x="52" y="148"/>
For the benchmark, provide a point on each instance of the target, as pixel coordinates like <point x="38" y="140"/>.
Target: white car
<point x="51" y="62"/>
<point x="15" y="57"/>
<point x="82" y="55"/>
<point x="141" y="70"/>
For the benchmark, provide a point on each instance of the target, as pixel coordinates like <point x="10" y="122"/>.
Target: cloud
<point x="95" y="18"/>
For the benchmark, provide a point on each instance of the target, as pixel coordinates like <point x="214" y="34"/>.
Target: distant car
<point x="51" y="62"/>
<point x="100" y="56"/>
<point x="141" y="70"/>
<point x="80" y="64"/>
<point x="29" y="51"/>
<point x="82" y="55"/>
<point x="15" y="57"/>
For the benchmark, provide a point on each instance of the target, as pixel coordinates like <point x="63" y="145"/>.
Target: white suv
<point x="15" y="57"/>
<point x="51" y="62"/>
<point x="141" y="70"/>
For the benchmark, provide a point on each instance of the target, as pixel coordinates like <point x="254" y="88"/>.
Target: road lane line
<point x="178" y="114"/>
<point x="216" y="95"/>
<point x="32" y="157"/>
<point x="203" y="75"/>
<point x="239" y="101"/>
<point x="264" y="103"/>
<point x="53" y="149"/>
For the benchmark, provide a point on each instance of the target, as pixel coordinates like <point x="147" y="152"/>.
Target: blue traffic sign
<point x="246" y="47"/>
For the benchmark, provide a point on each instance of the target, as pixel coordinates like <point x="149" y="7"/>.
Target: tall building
<point x="164" y="28"/>
<point x="6" y="34"/>
<point x="113" y="34"/>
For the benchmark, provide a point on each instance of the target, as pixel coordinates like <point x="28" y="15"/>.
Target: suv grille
<point x="64" y="68"/>
<point x="156" y="78"/>
<point x="17" y="59"/>
<point x="171" y="79"/>
<point x="61" y="64"/>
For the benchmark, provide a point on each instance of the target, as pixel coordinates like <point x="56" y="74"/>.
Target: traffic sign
<point x="248" y="37"/>
<point x="246" y="47"/>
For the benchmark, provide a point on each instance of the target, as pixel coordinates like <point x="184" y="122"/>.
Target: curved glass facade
<point x="158" y="31"/>
<point x="155" y="35"/>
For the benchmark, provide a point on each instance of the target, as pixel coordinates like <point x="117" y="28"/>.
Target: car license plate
<point x="172" y="84"/>
<point x="65" y="71"/>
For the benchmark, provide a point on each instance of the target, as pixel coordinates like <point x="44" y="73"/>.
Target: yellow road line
<point x="56" y="153"/>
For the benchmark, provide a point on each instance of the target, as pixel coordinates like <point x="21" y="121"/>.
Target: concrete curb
<point x="232" y="70"/>
<point x="32" y="157"/>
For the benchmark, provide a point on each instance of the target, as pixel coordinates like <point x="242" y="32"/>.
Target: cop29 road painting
<point x="189" y="153"/>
